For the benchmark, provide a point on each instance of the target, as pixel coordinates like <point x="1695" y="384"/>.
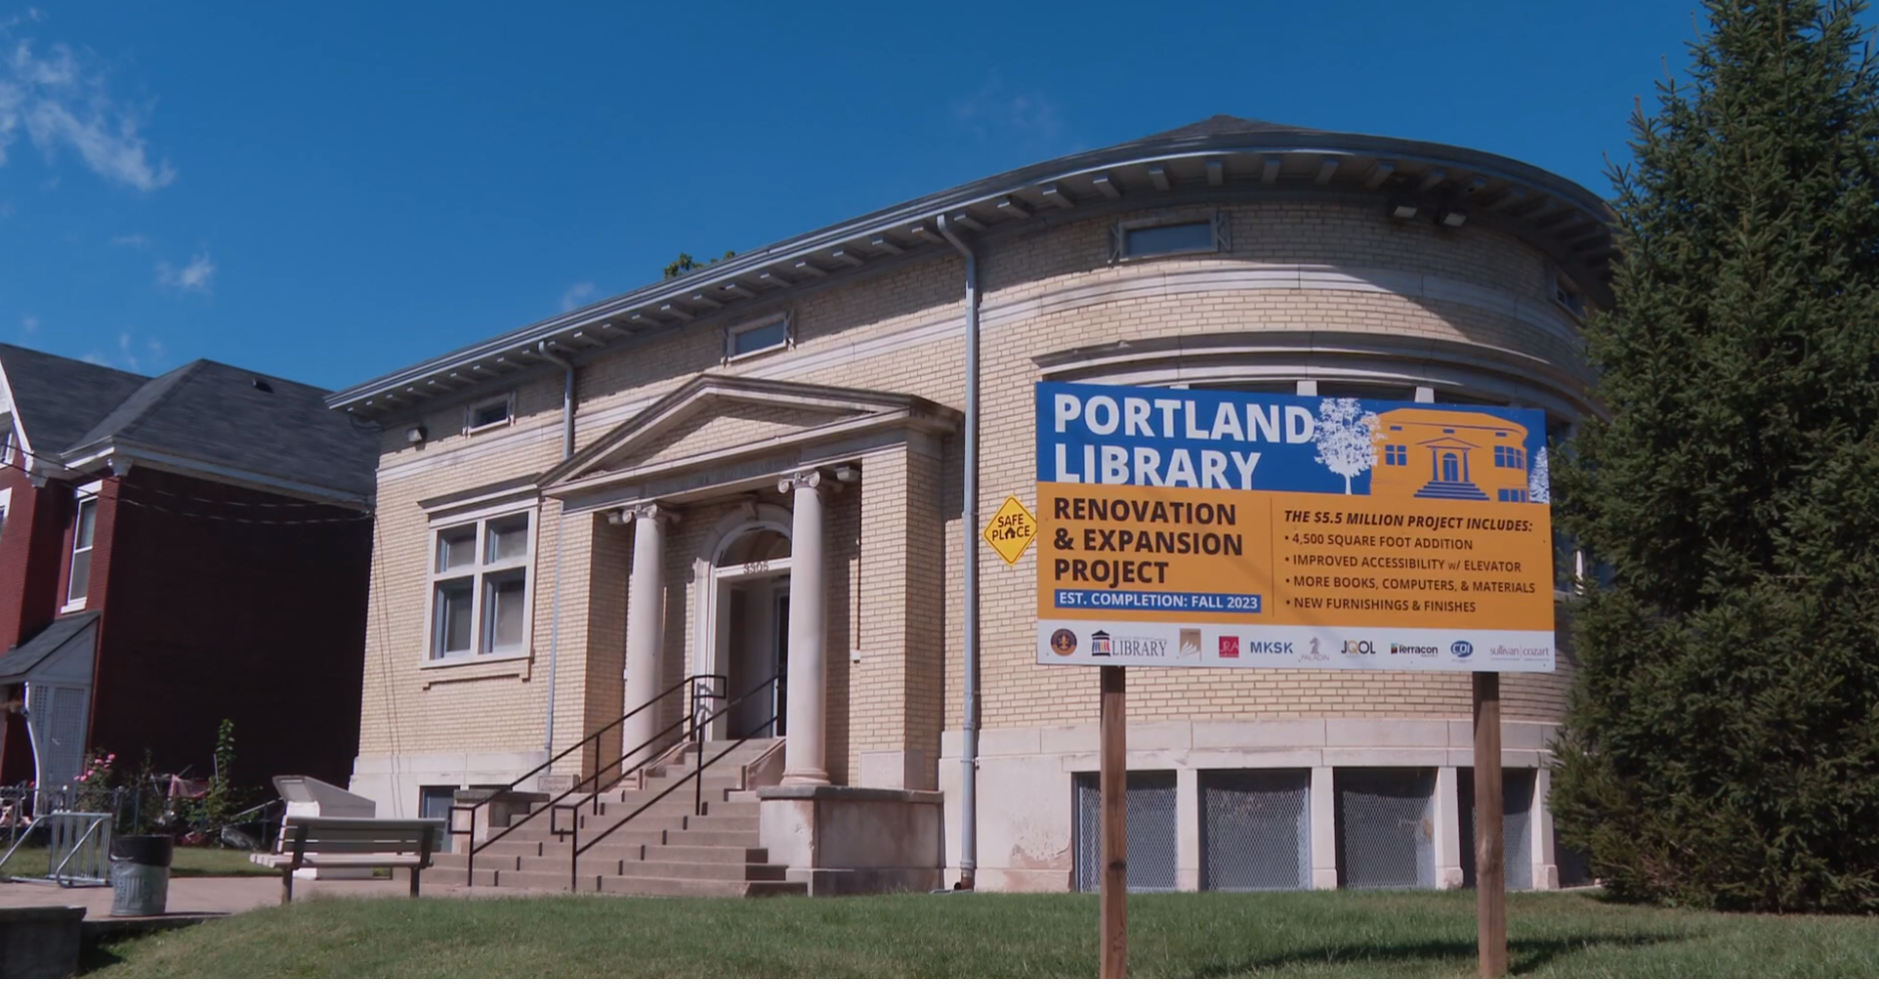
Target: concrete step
<point x="639" y="886"/>
<point x="671" y="870"/>
<point x="605" y="856"/>
<point x="711" y="837"/>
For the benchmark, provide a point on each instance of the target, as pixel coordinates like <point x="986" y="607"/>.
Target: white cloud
<point x="576" y="295"/>
<point x="996" y="112"/>
<point x="136" y="241"/>
<point x="61" y="101"/>
<point x="197" y="276"/>
<point x="150" y="357"/>
<point x="29" y="326"/>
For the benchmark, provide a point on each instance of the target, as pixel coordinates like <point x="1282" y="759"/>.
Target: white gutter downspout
<point x="969" y="742"/>
<point x="561" y="534"/>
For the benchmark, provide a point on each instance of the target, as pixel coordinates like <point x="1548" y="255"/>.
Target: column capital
<point x="650" y="510"/>
<point x="807" y="479"/>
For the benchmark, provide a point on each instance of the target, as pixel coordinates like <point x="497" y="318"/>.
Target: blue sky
<point x="329" y="191"/>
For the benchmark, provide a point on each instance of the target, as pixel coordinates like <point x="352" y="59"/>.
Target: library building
<point x="727" y="585"/>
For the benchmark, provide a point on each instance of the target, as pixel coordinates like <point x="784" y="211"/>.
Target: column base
<point x="849" y="840"/>
<point x="804" y="779"/>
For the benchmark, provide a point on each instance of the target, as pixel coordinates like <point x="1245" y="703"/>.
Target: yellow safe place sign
<point x="1011" y="530"/>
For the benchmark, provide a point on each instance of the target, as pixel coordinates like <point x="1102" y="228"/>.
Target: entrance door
<point x="757" y="649"/>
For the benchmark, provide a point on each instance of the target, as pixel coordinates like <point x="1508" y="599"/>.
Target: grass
<point x="189" y="861"/>
<point x="1187" y="935"/>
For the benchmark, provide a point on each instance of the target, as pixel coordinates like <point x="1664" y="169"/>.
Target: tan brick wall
<point x="898" y="329"/>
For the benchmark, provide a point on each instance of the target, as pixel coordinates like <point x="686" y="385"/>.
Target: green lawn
<point x="189" y="861"/>
<point x="1203" y="935"/>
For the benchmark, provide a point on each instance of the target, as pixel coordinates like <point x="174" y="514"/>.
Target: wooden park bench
<point x="394" y="843"/>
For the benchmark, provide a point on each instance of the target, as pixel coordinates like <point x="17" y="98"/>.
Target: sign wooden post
<point x="1490" y="860"/>
<point x="1115" y="826"/>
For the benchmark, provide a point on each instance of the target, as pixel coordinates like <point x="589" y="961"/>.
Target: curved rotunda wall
<point x="1297" y="274"/>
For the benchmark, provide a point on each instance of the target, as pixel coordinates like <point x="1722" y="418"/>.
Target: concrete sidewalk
<point x="234" y="894"/>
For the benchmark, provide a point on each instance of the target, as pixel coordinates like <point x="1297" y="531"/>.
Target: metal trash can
<point x="140" y="874"/>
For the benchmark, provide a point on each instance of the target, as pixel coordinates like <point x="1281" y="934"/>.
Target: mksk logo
<point x="1229" y="647"/>
<point x="1275" y="647"/>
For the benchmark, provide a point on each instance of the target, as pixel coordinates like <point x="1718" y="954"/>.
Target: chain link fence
<point x="1255" y="829"/>
<point x="1151" y="827"/>
<point x="1516" y="825"/>
<point x="1385" y="827"/>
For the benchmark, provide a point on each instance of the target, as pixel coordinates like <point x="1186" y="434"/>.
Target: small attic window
<point x="263" y="386"/>
<point x="756" y="337"/>
<point x="492" y="413"/>
<point x="1566" y="293"/>
<point x="1137" y="239"/>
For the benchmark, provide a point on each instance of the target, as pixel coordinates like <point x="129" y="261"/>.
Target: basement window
<point x="493" y="413"/>
<point x="752" y="338"/>
<point x="1137" y="239"/>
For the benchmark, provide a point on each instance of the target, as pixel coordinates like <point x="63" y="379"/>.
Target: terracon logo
<point x="1462" y="650"/>
<point x="1063" y="642"/>
<point x="1413" y="650"/>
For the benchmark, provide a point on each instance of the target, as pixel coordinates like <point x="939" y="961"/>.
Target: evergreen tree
<point x="1722" y="748"/>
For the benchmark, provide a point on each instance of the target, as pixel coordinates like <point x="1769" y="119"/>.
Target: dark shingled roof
<point x="57" y="399"/>
<point x="1222" y="125"/>
<point x="226" y="416"/>
<point x="20" y="661"/>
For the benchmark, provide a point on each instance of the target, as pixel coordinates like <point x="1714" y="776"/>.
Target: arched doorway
<point x="749" y="587"/>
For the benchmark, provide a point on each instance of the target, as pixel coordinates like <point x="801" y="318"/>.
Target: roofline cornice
<point x="1558" y="216"/>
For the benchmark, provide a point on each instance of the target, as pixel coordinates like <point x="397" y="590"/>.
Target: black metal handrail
<point x="696" y="776"/>
<point x="698" y="696"/>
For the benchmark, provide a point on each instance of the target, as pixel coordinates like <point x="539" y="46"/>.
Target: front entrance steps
<point x="669" y="850"/>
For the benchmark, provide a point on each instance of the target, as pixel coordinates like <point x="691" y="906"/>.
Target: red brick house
<point x="175" y="551"/>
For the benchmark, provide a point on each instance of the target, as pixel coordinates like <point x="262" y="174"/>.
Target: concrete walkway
<point x="233" y="894"/>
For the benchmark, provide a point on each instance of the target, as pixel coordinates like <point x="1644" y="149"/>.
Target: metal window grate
<point x="1516" y="826"/>
<point x="1256" y="829"/>
<point x="1385" y="827"/>
<point x="1152" y="839"/>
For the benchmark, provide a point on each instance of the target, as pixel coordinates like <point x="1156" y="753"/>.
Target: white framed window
<point x="9" y="447"/>
<point x="84" y="532"/>
<point x="759" y="336"/>
<point x="496" y="412"/>
<point x="480" y="603"/>
<point x="1169" y="236"/>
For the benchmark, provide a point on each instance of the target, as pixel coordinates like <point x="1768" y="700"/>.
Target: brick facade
<point x="1322" y="290"/>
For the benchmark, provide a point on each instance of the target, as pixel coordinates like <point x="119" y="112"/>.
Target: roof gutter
<point x="969" y="741"/>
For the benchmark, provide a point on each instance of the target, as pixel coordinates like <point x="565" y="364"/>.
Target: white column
<point x="805" y="756"/>
<point x="1323" y="830"/>
<point x="1448" y="847"/>
<point x="645" y="628"/>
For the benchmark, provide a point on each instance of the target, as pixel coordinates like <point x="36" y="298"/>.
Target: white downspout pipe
<point x="561" y="533"/>
<point x="969" y="511"/>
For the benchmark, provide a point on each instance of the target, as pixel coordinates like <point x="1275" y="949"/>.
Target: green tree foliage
<point x="685" y="264"/>
<point x="1722" y="748"/>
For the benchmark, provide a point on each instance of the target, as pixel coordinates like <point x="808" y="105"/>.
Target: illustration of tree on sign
<point x="1344" y="445"/>
<point x="1539" y="482"/>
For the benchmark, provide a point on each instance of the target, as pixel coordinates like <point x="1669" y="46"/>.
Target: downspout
<point x="969" y="510"/>
<point x="561" y="533"/>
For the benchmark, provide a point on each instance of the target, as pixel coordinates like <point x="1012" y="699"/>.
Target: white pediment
<point x="718" y="418"/>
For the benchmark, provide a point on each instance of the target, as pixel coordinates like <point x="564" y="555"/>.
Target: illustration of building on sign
<point x="1449" y="455"/>
<point x="1344" y="432"/>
